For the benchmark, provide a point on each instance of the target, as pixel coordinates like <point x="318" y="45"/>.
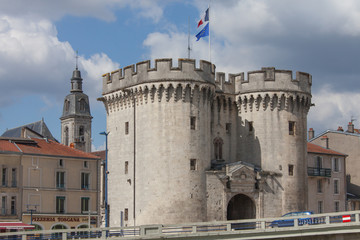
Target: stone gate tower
<point x="76" y="117"/>
<point x="187" y="146"/>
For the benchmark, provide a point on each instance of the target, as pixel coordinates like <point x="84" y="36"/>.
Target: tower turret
<point x="76" y="117"/>
<point x="76" y="81"/>
<point x="185" y="145"/>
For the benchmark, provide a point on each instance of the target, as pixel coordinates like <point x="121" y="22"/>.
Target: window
<point x="218" y="143"/>
<point x="60" y="179"/>
<point x="192" y="123"/>
<point x="66" y="136"/>
<point x="228" y="128"/>
<point x="127" y="128"/>
<point x="251" y="127"/>
<point x="336" y="186"/>
<point x="337" y="206"/>
<point x="126" y="214"/>
<point x="13" y="205"/>
<point x="82" y="105"/>
<point x="126" y="167"/>
<point x="336" y="166"/>
<point x="60" y="204"/>
<point x="193" y="164"/>
<point x="3" y="205"/>
<point x="318" y="162"/>
<point x="291" y="170"/>
<point x="291" y="128"/>
<point x="13" y="177"/>
<point x="85" y="180"/>
<point x="85" y="204"/>
<point x="67" y="105"/>
<point x="319" y="186"/>
<point x="81" y="134"/>
<point x="320" y="207"/>
<point x="86" y="164"/>
<point x="4" y="177"/>
<point x="61" y="163"/>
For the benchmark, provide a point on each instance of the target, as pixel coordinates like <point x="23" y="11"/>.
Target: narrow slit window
<point x="193" y="123"/>
<point x="126" y="214"/>
<point x="291" y="170"/>
<point x="251" y="127"/>
<point x="291" y="128"/>
<point x="193" y="164"/>
<point x="126" y="167"/>
<point x="126" y="128"/>
<point x="228" y="128"/>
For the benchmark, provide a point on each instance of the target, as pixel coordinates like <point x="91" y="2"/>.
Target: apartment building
<point x="47" y="184"/>
<point x="326" y="179"/>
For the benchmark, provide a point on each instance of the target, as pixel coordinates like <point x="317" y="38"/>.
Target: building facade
<point x="186" y="146"/>
<point x="48" y="184"/>
<point x="348" y="142"/>
<point x="326" y="180"/>
<point x="76" y="117"/>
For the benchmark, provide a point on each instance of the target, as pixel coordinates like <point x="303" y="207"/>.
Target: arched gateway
<point x="241" y="207"/>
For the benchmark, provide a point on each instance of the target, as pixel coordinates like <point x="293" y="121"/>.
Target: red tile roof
<point x="42" y="147"/>
<point x="313" y="148"/>
<point x="100" y="154"/>
<point x="6" y="145"/>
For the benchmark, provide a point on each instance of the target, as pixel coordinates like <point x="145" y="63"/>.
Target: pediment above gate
<point x="242" y="174"/>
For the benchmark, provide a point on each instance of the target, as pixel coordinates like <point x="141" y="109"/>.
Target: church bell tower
<point x="76" y="117"/>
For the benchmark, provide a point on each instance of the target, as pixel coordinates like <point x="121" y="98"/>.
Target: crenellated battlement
<point x="163" y="70"/>
<point x="267" y="79"/>
<point x="271" y="79"/>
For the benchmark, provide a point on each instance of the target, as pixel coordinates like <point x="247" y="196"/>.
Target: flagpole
<point x="189" y="37"/>
<point x="209" y="36"/>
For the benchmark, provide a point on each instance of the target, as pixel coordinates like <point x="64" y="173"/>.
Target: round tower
<point x="76" y="117"/>
<point x="158" y="121"/>
<point x="273" y="110"/>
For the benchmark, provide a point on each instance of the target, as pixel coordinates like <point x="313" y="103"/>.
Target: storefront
<point x="52" y="222"/>
<point x="14" y="227"/>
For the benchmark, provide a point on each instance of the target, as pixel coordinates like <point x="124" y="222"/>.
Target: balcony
<point x="319" y="172"/>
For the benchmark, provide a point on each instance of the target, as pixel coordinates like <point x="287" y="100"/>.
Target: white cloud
<point x="332" y="109"/>
<point x="55" y="10"/>
<point x="309" y="36"/>
<point x="32" y="56"/>
<point x="93" y="69"/>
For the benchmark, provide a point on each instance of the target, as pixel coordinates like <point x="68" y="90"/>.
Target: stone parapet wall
<point x="163" y="71"/>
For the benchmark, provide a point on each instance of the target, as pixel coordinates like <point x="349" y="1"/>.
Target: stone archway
<point x="241" y="206"/>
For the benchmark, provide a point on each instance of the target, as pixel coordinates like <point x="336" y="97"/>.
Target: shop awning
<point x="15" y="225"/>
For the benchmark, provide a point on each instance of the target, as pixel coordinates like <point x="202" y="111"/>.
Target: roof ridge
<point x="77" y="150"/>
<point x="25" y="125"/>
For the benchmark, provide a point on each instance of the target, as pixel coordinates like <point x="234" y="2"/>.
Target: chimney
<point x="311" y="133"/>
<point x="350" y="127"/>
<point x="326" y="141"/>
<point x="340" y="129"/>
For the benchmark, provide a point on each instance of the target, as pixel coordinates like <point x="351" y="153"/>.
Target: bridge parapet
<point x="317" y="226"/>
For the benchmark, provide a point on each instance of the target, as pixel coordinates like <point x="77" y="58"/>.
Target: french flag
<point x="205" y="18"/>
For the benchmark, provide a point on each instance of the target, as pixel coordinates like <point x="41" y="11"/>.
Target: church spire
<point x="76" y="80"/>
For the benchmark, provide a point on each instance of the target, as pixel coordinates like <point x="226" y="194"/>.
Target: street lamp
<point x="106" y="178"/>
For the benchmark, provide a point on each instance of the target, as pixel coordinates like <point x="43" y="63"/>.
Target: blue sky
<point x="38" y="44"/>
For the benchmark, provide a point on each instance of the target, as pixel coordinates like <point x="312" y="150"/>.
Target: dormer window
<point x="67" y="105"/>
<point x="82" y="104"/>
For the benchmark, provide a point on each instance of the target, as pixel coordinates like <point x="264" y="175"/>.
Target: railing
<point x="319" y="172"/>
<point x="282" y="227"/>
